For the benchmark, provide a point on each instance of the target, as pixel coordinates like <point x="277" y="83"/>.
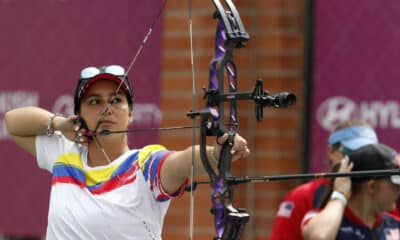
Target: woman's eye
<point x="115" y="100"/>
<point x="93" y="101"/>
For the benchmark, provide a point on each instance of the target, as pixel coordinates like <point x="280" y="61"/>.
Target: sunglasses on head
<point x="90" y="72"/>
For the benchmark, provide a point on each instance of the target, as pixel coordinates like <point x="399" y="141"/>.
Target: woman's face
<point x="386" y="194"/>
<point x="335" y="155"/>
<point x="98" y="104"/>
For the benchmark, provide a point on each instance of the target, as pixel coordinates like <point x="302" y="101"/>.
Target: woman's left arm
<point x="177" y="167"/>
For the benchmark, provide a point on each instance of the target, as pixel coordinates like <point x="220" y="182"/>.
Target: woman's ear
<point x="130" y="116"/>
<point x="372" y="186"/>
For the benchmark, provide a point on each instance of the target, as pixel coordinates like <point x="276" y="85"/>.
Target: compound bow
<point x="230" y="34"/>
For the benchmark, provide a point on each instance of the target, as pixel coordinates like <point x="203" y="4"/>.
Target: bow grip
<point x="224" y="166"/>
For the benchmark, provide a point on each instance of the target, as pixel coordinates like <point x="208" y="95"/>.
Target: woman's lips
<point x="106" y="123"/>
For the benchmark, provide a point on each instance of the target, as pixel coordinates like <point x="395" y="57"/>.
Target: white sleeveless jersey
<point x="122" y="200"/>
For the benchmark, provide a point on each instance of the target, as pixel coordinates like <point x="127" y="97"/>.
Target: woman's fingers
<point x="239" y="147"/>
<point x="343" y="184"/>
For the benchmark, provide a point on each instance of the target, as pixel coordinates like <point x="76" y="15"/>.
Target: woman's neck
<point x="363" y="208"/>
<point x="106" y="150"/>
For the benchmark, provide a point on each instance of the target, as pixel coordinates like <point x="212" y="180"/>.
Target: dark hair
<point x="370" y="157"/>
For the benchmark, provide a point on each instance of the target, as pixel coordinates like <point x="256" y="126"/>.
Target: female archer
<point x="101" y="189"/>
<point x="355" y="207"/>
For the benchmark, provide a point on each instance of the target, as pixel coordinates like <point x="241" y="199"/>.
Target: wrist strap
<point x="340" y="196"/>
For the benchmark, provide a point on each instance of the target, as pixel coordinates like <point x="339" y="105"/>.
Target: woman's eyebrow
<point x="111" y="94"/>
<point x="116" y="93"/>
<point x="91" y="95"/>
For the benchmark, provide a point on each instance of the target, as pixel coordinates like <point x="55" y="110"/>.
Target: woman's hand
<point x="239" y="149"/>
<point x="72" y="128"/>
<point x="343" y="184"/>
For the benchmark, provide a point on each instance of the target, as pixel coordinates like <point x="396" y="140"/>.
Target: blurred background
<point x="338" y="57"/>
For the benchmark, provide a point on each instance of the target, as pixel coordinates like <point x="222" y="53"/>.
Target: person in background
<point x="100" y="188"/>
<point x="347" y="136"/>
<point x="355" y="207"/>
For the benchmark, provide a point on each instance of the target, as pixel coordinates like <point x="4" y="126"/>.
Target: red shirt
<point x="293" y="208"/>
<point x="396" y="211"/>
<point x="385" y="227"/>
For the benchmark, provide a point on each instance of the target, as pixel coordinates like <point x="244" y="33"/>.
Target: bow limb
<point x="220" y="117"/>
<point x="230" y="34"/>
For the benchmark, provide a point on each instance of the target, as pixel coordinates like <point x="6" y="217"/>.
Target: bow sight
<point x="230" y="34"/>
<point x="261" y="98"/>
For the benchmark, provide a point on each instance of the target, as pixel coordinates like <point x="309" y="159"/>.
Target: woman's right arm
<point x="325" y="224"/>
<point x="24" y="124"/>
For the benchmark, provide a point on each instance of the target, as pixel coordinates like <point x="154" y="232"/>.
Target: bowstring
<point x="124" y="78"/>
<point x="194" y="106"/>
<point x="142" y="44"/>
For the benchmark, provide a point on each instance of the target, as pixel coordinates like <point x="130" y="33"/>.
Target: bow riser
<point x="230" y="34"/>
<point x="221" y="98"/>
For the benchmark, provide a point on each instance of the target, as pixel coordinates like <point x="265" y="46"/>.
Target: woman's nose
<point x="109" y="110"/>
